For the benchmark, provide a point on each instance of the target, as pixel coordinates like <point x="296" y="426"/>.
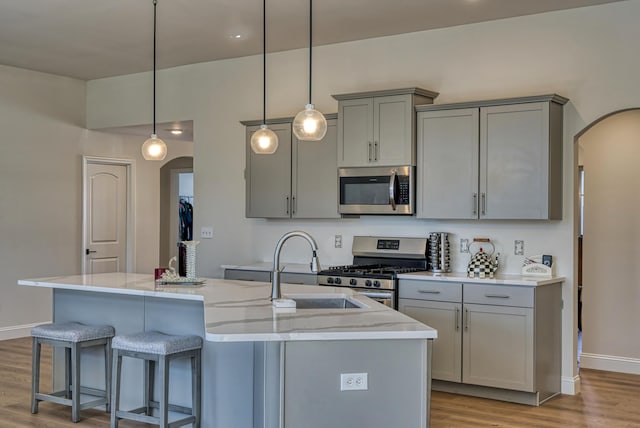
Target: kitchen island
<point x="262" y="367"/>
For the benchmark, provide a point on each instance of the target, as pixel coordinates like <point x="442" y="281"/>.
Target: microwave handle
<point x="392" y="189"/>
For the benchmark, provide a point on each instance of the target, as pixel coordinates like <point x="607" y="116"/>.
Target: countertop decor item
<point x="309" y="124"/>
<point x="154" y="148"/>
<point x="482" y="263"/>
<point x="264" y="141"/>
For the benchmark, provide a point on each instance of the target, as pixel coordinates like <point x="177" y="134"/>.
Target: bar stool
<point x="73" y="337"/>
<point x="157" y="348"/>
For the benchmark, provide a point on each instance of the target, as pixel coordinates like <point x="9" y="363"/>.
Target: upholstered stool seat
<point x="157" y="348"/>
<point x="73" y="337"/>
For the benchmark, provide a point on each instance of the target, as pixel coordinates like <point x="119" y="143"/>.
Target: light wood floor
<point x="608" y="400"/>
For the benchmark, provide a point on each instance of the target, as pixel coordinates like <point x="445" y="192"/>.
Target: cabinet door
<point x="393" y="134"/>
<point x="268" y="177"/>
<point x="514" y="159"/>
<point x="448" y="153"/>
<point x="299" y="278"/>
<point x="247" y="275"/>
<point x="447" y="348"/>
<point x="355" y="132"/>
<point x="498" y="346"/>
<point x="315" y="176"/>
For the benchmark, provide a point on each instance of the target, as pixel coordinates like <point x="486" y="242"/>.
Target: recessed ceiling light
<point x="175" y="131"/>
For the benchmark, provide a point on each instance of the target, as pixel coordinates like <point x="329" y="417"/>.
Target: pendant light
<point x="310" y="124"/>
<point x="154" y="148"/>
<point x="264" y="141"/>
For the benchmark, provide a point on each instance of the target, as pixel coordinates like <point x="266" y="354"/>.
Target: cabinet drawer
<point x="500" y="295"/>
<point x="430" y="290"/>
<point x="247" y="275"/>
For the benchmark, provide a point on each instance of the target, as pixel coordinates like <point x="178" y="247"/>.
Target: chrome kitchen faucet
<point x="315" y="264"/>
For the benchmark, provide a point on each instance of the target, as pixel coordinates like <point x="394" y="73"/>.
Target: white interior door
<point x="105" y="205"/>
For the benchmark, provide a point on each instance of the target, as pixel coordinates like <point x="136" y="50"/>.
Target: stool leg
<point x="75" y="381"/>
<point x="67" y="372"/>
<point x="196" y="388"/>
<point x="35" y="374"/>
<point x="107" y="374"/>
<point x="163" y="371"/>
<point x="115" y="387"/>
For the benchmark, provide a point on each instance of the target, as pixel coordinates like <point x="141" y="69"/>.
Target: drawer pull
<point x="457" y="319"/>
<point x="497" y="296"/>
<point x="428" y="292"/>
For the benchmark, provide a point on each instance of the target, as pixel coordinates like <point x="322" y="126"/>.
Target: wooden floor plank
<point x="610" y="400"/>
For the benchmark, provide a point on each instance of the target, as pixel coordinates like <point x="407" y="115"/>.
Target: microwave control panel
<point x="403" y="190"/>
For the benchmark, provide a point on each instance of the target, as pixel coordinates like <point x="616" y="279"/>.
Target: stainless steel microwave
<point x="376" y="190"/>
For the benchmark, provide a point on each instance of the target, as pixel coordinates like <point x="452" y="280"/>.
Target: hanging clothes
<point x="186" y="220"/>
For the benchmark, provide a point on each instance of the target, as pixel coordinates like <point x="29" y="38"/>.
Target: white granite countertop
<point x="501" y="279"/>
<point x="268" y="267"/>
<point x="240" y="311"/>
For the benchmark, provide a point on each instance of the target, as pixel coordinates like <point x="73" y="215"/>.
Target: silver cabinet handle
<point x="287" y="206"/>
<point x="484" y="203"/>
<point x="375" y="151"/>
<point x="369" y="151"/>
<point x="457" y="319"/>
<point x="475" y="204"/>
<point x="293" y="205"/>
<point x="466" y="319"/>
<point x="497" y="296"/>
<point x="429" y="291"/>
<point x="392" y="189"/>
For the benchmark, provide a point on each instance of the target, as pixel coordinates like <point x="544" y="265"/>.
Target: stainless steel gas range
<point x="377" y="261"/>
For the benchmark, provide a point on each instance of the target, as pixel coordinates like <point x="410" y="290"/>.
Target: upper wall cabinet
<point x="298" y="181"/>
<point x="498" y="159"/>
<point x="378" y="128"/>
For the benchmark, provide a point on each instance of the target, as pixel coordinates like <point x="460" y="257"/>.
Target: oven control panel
<point x="370" y="283"/>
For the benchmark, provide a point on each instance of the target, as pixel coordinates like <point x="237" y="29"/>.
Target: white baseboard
<point x="570" y="385"/>
<point x="610" y="363"/>
<point x="18" y="331"/>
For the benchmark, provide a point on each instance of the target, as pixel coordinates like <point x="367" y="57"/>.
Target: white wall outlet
<point x="206" y="232"/>
<point x="464" y="245"/>
<point x="338" y="241"/>
<point x="354" y="382"/>
<point x="518" y="247"/>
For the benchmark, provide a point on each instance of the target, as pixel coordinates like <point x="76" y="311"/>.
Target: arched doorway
<point x="608" y="152"/>
<point x="170" y="199"/>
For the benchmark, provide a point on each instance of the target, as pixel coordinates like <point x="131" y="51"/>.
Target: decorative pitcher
<point x="482" y="264"/>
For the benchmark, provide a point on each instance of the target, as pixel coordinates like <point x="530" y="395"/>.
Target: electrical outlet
<point x="354" y="382"/>
<point x="337" y="241"/>
<point x="464" y="245"/>
<point x="206" y="232"/>
<point x="518" y="247"/>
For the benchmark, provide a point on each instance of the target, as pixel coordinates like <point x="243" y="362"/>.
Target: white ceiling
<point x="89" y="39"/>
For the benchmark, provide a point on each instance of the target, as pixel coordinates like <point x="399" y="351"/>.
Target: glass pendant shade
<point x="264" y="141"/>
<point x="154" y="148"/>
<point x="309" y="124"/>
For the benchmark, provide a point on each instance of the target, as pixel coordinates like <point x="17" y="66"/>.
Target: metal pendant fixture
<point x="154" y="148"/>
<point x="264" y="141"/>
<point x="310" y="124"/>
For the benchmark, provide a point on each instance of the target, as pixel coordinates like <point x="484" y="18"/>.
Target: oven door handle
<point x="392" y="189"/>
<point x="377" y="295"/>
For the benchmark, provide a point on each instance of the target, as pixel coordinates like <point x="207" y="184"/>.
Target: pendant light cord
<point x="155" y="3"/>
<point x="264" y="62"/>
<point x="310" y="44"/>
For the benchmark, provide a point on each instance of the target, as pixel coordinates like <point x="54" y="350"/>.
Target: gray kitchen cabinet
<point x="378" y="128"/>
<point x="495" y="341"/>
<point x="499" y="159"/>
<point x="298" y="181"/>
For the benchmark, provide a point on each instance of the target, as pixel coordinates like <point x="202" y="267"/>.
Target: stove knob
<point x="367" y="283"/>
<point x="338" y="281"/>
<point x="376" y="283"/>
<point x="353" y="281"/>
<point x="329" y="280"/>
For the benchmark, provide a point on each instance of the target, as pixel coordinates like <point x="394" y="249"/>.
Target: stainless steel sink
<point x="316" y="302"/>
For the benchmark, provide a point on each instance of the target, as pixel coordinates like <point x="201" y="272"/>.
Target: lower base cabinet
<point x="265" y="276"/>
<point x="496" y="341"/>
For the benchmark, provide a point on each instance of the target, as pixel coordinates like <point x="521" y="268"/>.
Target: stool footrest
<point x="172" y="407"/>
<point x="138" y="416"/>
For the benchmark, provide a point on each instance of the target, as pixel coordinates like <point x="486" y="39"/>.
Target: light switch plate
<point x="206" y="232"/>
